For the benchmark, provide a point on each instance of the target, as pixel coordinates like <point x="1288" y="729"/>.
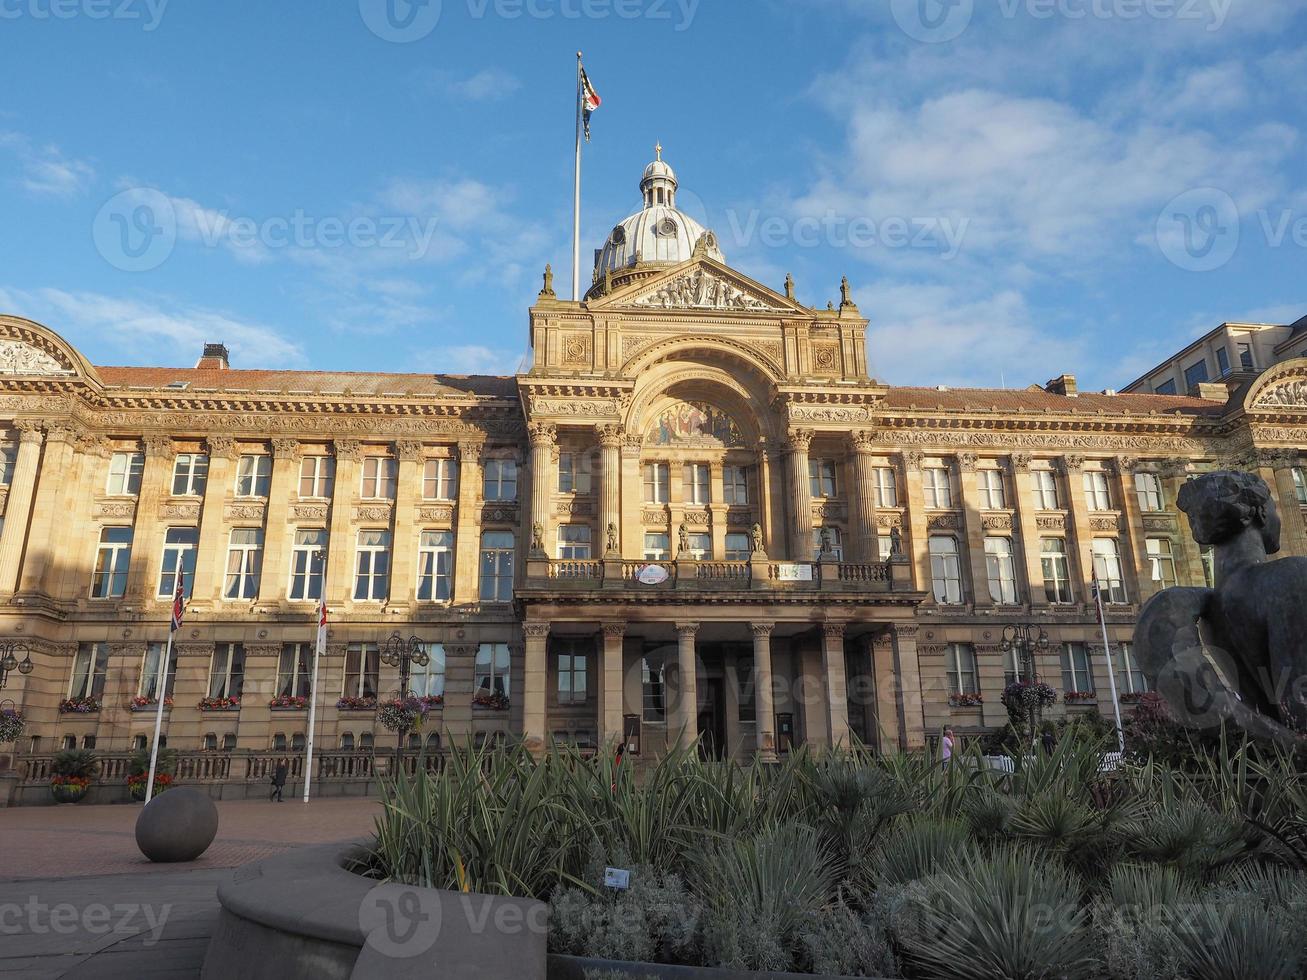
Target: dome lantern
<point x="658" y="185"/>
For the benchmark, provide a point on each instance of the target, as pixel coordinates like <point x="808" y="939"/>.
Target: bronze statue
<point x="1236" y="652"/>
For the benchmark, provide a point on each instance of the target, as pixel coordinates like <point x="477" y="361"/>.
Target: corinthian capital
<point x="542" y="434"/>
<point x="799" y="440"/>
<point x="610" y="436"/>
<point x="863" y="440"/>
<point x="221" y="447"/>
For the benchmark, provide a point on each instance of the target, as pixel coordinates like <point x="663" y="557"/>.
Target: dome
<point x="659" y="234"/>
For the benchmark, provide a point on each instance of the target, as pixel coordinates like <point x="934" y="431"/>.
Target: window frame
<point x="248" y="573"/>
<point x="487" y="667"/>
<point x="113" y="561"/>
<point x="1149" y="490"/>
<point x="657" y="480"/>
<point x="499" y="480"/>
<point x="148" y="675"/>
<point x="943" y="562"/>
<point x="294" y="678"/>
<point x="581" y="548"/>
<point x="1045" y="487"/>
<point x="567" y="658"/>
<point x="1098" y="490"/>
<point x="380" y="478"/>
<point x="1077" y="676"/>
<point x="502" y="568"/>
<point x="696" y="484"/>
<point x="361" y="677"/>
<point x="992" y="487"/>
<point x="1062" y="591"/>
<point x="254" y="472"/>
<point x="823" y="479"/>
<point x="440" y="478"/>
<point x="1105" y="563"/>
<point x="886" y="486"/>
<point x="372" y="565"/>
<point x="319" y="472"/>
<point x="173" y="552"/>
<point x="574" y="475"/>
<point x="957" y="675"/>
<point x="232" y="674"/>
<point x="307" y="565"/>
<point x="743" y="553"/>
<point x="435" y="581"/>
<point x="125" y="480"/>
<point x="195" y="477"/>
<point x="663" y="553"/>
<point x="428" y="681"/>
<point x="1001" y="570"/>
<point x="1161" y="560"/>
<point x="91" y="662"/>
<point x="735" y="485"/>
<point x="937" y="486"/>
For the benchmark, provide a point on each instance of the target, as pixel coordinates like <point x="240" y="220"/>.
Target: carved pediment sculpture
<point x="1291" y="394"/>
<point x="17" y="357"/>
<point x="702" y="289"/>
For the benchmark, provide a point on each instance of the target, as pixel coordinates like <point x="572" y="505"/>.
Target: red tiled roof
<point x="1038" y="400"/>
<point x="312" y="382"/>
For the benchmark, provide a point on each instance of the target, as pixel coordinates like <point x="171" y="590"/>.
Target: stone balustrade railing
<point x="686" y="574"/>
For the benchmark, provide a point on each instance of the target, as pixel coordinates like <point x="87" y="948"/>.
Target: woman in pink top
<point x="946" y="746"/>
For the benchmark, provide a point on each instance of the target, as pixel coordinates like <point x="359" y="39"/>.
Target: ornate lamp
<point x="402" y="653"/>
<point x="9" y="661"/>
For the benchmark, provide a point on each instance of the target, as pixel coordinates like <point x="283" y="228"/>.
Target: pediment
<point x="701" y="285"/>
<point x="1286" y="394"/>
<point x="18" y="357"/>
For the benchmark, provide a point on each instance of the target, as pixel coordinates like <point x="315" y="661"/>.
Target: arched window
<point x="279" y="742"/>
<point x="297" y="742"/>
<point x="433" y="742"/>
<point x="229" y="742"/>
<point x="70" y="741"/>
<point x="414" y="741"/>
<point x="347" y="741"/>
<point x="88" y="741"/>
<point x="210" y="742"/>
<point x="365" y="741"/>
<point x="138" y="743"/>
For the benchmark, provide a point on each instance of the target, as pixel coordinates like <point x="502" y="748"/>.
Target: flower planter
<point x="79" y="706"/>
<point x="136" y="786"/>
<point x="69" y="792"/>
<point x="214" y="708"/>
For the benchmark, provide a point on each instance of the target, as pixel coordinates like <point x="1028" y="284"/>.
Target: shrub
<point x="842" y="942"/>
<point x="75" y="764"/>
<point x="165" y="765"/>
<point x="918" y="848"/>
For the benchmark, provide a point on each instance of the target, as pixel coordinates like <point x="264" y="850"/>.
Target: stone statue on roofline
<point x="1236" y="653"/>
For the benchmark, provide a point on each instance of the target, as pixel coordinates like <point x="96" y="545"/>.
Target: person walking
<point x="1049" y="740"/>
<point x="946" y="746"/>
<point x="279" y="780"/>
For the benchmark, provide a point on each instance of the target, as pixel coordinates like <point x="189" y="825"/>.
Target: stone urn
<point x="69" y="792"/>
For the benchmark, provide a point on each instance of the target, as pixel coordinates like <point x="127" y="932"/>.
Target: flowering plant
<point x="1132" y="697"/>
<point x="432" y="700"/>
<point x="220" y="704"/>
<point x="162" y="780"/>
<point x="11" y="725"/>
<point x="402" y="714"/>
<point x="288" y="701"/>
<point x="1077" y="697"/>
<point x="1024" y="698"/>
<point x="965" y="700"/>
<point x="79" y="706"/>
<point x="61" y="780"/>
<point x="494" y="700"/>
<point x="139" y="703"/>
<point x="357" y="704"/>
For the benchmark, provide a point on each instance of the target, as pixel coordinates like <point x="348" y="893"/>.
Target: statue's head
<point x="1220" y="505"/>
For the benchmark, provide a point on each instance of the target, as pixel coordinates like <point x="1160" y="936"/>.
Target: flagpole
<point x="161" y="689"/>
<point x="576" y="197"/>
<point x="1111" y="673"/>
<point x="313" y="682"/>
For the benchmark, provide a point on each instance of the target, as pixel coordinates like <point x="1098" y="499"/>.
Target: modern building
<point x="695" y="515"/>
<point x="1229" y="355"/>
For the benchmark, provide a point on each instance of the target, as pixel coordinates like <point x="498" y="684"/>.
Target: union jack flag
<point x="178" y="604"/>
<point x="590" y="101"/>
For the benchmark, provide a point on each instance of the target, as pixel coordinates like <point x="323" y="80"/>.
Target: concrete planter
<point x="303" y="915"/>
<point x="575" y="967"/>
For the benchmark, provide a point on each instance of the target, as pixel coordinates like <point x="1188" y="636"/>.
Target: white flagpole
<point x="576" y="211"/>
<point x="313" y="684"/>
<point x="1111" y="672"/>
<point x="161" y="686"/>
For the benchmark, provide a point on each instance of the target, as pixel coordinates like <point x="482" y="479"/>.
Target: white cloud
<point x="487" y="85"/>
<point x="470" y="359"/>
<point x="46" y="170"/>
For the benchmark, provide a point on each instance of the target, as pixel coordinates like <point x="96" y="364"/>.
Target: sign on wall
<point x="794" y="572"/>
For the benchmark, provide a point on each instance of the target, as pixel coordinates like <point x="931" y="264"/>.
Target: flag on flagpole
<point x="322" y="616"/>
<point x="178" y="604"/>
<point x="590" y="101"/>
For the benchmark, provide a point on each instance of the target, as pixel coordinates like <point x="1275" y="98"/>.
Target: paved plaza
<point x="78" y="900"/>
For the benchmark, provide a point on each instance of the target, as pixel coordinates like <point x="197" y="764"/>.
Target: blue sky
<point x="1015" y="188"/>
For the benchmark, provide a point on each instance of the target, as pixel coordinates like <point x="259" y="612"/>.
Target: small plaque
<point x="652" y="575"/>
<point x="618" y="878"/>
<point x="793" y="572"/>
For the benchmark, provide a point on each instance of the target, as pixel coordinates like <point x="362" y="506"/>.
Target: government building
<point x="696" y="516"/>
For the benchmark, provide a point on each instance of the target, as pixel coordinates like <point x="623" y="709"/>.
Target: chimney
<point x="1063" y="385"/>
<point x="215" y="358"/>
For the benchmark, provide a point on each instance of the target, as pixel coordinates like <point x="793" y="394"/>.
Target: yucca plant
<point x="1239" y="941"/>
<point x="918" y="848"/>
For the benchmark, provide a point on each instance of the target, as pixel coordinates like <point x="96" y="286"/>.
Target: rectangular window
<point x="179" y="544"/>
<point x="111" y="563"/>
<point x="735" y="485"/>
<point x="1195" y="374"/>
<point x="574" y="542"/>
<point x="1300" y="485"/>
<point x="372" y="578"/>
<point x="885" y="546"/>
<point x="125" y="471"/>
<point x="572" y="679"/>
<point x="362" y="670"/>
<point x="1246" y="357"/>
<point x="500" y="481"/>
<point x="700" y="546"/>
<point x="244" y="563"/>
<point x="653" y="689"/>
<point x="317" y="476"/>
<point x="657" y="547"/>
<point x="1223" y="361"/>
<point x="962" y="669"/>
<point x="1057" y="571"/>
<point x="1098" y="496"/>
<point x="429" y="681"/>
<point x="697" y="488"/>
<point x="227" y="671"/>
<point x="147" y="686"/>
<point x="574" y="473"/>
<point x="1013" y="671"/>
<point x="738" y="546"/>
<point x="990" y="485"/>
<point x="821" y="477"/>
<point x="1077" y="672"/>
<point x="190" y="475"/>
<point x="1107" y="564"/>
<point x="1131" y="679"/>
<point x="435" y="566"/>
<point x="497" y="566"/>
<point x="90" y="667"/>
<point x="1001" y="569"/>
<point x="253" y="474"/>
<point x="823" y="536"/>
<point x="887" y="490"/>
<point x="293" y="670"/>
<point x="8" y="460"/>
<point x="938" y="489"/>
<point x="657" y="483"/>
<point x="307" y="557"/>
<point x="1161" y="562"/>
<point x="440" y="479"/>
<point x="945" y="569"/>
<point x="1149" y="488"/>
<point x="379" y="478"/>
<point x="1045" y="489"/>
<point x="1165" y="388"/>
<point x="493" y="664"/>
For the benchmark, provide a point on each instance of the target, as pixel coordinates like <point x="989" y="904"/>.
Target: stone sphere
<point x="177" y="825"/>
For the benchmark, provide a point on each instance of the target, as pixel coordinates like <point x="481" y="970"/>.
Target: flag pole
<point x="1111" y="673"/>
<point x="161" y="682"/>
<point x="313" y="682"/>
<point x="576" y="197"/>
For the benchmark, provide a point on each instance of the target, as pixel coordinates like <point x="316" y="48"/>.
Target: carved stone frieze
<point x="499" y="514"/>
<point x="576" y="507"/>
<point x="943" y="522"/>
<point x="889" y="519"/>
<point x="1021" y="462"/>
<point x="967" y="462"/>
<point x="841" y="414"/>
<point x="284" y="448"/>
<point x="221" y="447"/>
<point x="1285" y="394"/>
<point x="1105" y="523"/>
<point x="183" y="511"/>
<point x="1052" y="442"/>
<point x="114" y="510"/>
<point x="697" y="518"/>
<point x="826" y="358"/>
<point x="597" y="408"/>
<point x="1160" y="523"/>
<point x="1050" y="522"/>
<point x="372" y="513"/>
<point x="20" y="357"/>
<point x="350" y="449"/>
<point x="257" y="650"/>
<point x="654" y="517"/>
<point x="829" y="510"/>
<point x="996" y="522"/>
<point x="634" y="344"/>
<point x="437" y="514"/>
<point x="575" y="348"/>
<point x="252" y="511"/>
<point x="702" y="289"/>
<point x="308" y="512"/>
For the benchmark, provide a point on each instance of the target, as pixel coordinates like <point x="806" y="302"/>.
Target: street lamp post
<point x="1027" y="640"/>
<point x="9" y="649"/>
<point x="402" y="653"/>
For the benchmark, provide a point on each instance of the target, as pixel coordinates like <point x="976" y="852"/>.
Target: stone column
<point x="862" y="501"/>
<point x="48" y="504"/>
<point x="916" y="543"/>
<point x="1028" y="538"/>
<point x="610" y="693"/>
<point x="610" y="488"/>
<point x="1134" y="547"/>
<point x="68" y="578"/>
<point x="889" y="694"/>
<point x="535" y="673"/>
<point x="764" y="707"/>
<point x="687" y="684"/>
<point x="544" y="480"/>
<point x="277" y="527"/>
<point x="339" y="584"/>
<point x="405" y="528"/>
<point x="147" y="530"/>
<point x="467" y="534"/>
<point x="800" y="494"/>
<point x="972" y="535"/>
<point x="837" y="691"/>
<point x="1080" y="538"/>
<point x="631" y="523"/>
<point x="1293" y="537"/>
<point x="211" y="558"/>
<point x="907" y="665"/>
<point x="1188" y="554"/>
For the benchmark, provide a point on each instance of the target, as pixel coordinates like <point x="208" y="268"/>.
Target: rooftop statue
<point x="1235" y="653"/>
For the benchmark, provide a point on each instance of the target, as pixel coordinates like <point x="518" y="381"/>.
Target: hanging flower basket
<point x="357" y="704"/>
<point x="136" y="784"/>
<point x="220" y="704"/>
<point x="402" y="715"/>
<point x="148" y="704"/>
<point x="69" y="789"/>
<point x="288" y="702"/>
<point x="12" y="725"/>
<point x="1026" y="697"/>
<point x="79" y="706"/>
<point x="965" y="700"/>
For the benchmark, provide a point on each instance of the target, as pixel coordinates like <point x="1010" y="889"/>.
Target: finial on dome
<point x="658" y="150"/>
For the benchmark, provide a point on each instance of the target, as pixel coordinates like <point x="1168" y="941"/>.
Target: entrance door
<point x="712" y="718"/>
